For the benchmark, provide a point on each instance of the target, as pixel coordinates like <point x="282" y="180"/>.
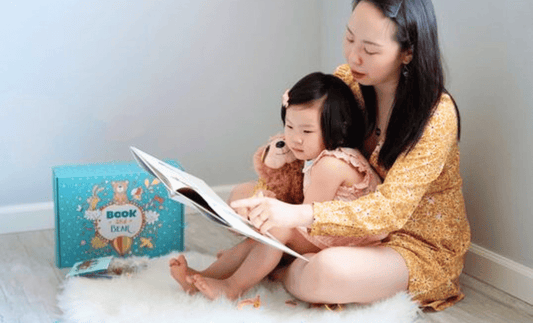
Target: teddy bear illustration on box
<point x="120" y="189"/>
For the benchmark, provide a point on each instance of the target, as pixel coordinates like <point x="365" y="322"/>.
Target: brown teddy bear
<point x="280" y="173"/>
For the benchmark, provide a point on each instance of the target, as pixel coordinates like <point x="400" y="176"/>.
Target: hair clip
<point x="285" y="99"/>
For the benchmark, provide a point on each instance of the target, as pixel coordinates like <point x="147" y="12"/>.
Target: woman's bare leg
<point x="348" y="275"/>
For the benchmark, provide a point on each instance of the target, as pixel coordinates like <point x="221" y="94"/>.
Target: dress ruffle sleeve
<point x="354" y="158"/>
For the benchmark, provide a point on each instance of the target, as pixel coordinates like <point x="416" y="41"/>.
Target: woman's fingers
<point x="243" y="212"/>
<point x="265" y="213"/>
<point x="267" y="225"/>
<point x="260" y="221"/>
<point x="255" y="212"/>
<point x="257" y="222"/>
<point x="250" y="203"/>
<point x="259" y="214"/>
<point x="263" y="216"/>
<point x="254" y="216"/>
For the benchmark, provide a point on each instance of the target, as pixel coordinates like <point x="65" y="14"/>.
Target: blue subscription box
<point x="113" y="209"/>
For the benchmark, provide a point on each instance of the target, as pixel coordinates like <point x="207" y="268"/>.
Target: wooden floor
<point x="30" y="281"/>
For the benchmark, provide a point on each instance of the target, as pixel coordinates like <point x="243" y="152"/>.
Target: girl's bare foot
<point x="179" y="270"/>
<point x="214" y="288"/>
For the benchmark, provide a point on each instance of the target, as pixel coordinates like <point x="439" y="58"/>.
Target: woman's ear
<point x="407" y="56"/>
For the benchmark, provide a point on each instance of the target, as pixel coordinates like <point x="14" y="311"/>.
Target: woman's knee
<point x="310" y="281"/>
<point x="379" y="271"/>
<point x="326" y="268"/>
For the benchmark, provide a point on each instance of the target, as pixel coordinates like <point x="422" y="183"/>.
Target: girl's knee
<point x="242" y="191"/>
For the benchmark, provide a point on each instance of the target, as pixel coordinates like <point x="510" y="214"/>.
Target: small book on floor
<point x="93" y="268"/>
<point x="192" y="191"/>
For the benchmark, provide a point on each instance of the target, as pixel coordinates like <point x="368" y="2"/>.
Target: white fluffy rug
<point x="151" y="295"/>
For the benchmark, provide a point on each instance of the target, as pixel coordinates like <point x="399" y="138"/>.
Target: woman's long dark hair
<point x="342" y="119"/>
<point x="421" y="88"/>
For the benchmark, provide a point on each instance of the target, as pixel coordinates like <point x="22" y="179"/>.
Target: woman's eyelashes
<point x="369" y="52"/>
<point x="365" y="49"/>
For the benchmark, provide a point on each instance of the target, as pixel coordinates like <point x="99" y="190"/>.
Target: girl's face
<point x="371" y="51"/>
<point x="303" y="133"/>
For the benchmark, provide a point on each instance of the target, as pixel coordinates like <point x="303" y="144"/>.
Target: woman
<point x="393" y="66"/>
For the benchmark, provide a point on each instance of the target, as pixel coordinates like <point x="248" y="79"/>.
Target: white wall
<point x="199" y="81"/>
<point x="335" y="15"/>
<point x="488" y="47"/>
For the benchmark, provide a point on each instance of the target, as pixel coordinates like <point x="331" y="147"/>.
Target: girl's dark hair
<point x="342" y="119"/>
<point x="419" y="91"/>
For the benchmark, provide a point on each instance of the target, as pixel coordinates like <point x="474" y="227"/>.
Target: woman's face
<point x="371" y="51"/>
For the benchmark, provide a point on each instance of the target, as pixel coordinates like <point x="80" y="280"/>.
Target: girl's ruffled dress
<point x="369" y="183"/>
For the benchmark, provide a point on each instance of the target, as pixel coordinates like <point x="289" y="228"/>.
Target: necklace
<point x="378" y="129"/>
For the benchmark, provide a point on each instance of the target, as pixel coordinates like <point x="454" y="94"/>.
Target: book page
<point x="201" y="204"/>
<point x="195" y="192"/>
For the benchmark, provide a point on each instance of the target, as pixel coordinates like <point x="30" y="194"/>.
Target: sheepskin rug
<point x="150" y="294"/>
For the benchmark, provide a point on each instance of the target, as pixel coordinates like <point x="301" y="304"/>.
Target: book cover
<point x="91" y="268"/>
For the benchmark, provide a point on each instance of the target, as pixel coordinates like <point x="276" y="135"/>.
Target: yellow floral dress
<point x="420" y="203"/>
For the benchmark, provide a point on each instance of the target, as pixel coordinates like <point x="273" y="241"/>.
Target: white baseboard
<point x="485" y="265"/>
<point x="40" y="216"/>
<point x="500" y="272"/>
<point x="27" y="217"/>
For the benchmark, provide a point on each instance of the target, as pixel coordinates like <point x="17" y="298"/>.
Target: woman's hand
<point x="243" y="211"/>
<point x="265" y="213"/>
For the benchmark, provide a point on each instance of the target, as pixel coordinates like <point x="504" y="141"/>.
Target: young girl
<point x="324" y="126"/>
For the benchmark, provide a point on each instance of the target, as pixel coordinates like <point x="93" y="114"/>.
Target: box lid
<point x="109" y="169"/>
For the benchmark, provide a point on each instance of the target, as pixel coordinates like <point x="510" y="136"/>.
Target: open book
<point x="192" y="191"/>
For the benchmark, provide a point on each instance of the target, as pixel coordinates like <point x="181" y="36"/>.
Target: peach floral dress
<point x="420" y="205"/>
<point x="369" y="183"/>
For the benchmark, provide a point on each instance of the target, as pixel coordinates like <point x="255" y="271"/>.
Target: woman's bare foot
<point x="214" y="288"/>
<point x="179" y="270"/>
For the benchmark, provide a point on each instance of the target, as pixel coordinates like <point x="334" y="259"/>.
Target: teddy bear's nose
<point x="280" y="144"/>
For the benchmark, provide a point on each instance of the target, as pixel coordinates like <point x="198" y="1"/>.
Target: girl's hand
<point x="265" y="213"/>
